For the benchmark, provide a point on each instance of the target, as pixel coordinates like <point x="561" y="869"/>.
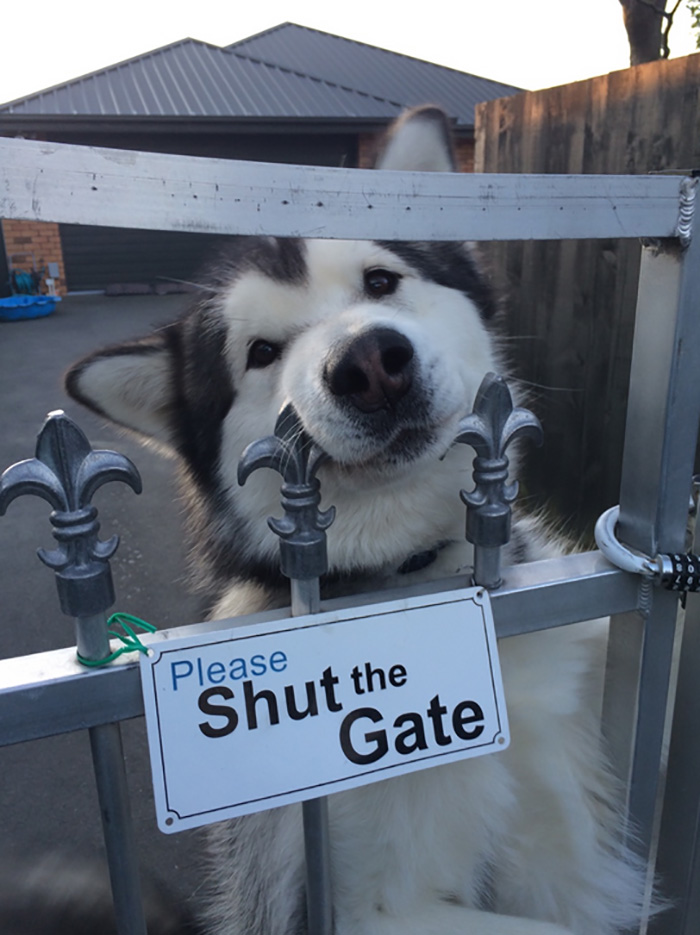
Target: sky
<point x="527" y="43"/>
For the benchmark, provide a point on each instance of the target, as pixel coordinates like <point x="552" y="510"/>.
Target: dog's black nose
<point x="373" y="370"/>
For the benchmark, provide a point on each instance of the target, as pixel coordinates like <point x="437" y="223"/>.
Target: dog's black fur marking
<point x="149" y="345"/>
<point x="202" y="392"/>
<point x="281" y="259"/>
<point x="518" y="546"/>
<point x="450" y="265"/>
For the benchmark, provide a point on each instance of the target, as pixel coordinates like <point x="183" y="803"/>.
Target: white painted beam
<point x="119" y="188"/>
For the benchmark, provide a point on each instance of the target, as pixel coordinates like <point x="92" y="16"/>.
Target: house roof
<point x="193" y="79"/>
<point x="288" y="72"/>
<point x="371" y="70"/>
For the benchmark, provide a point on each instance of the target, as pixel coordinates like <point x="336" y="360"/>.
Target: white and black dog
<point x="381" y="347"/>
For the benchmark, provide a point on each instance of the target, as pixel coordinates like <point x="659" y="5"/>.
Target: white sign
<point x="262" y="715"/>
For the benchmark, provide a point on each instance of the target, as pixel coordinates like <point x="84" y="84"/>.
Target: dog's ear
<point x="131" y="384"/>
<point x="420" y="140"/>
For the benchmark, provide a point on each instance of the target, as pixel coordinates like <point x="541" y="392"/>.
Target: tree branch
<point x="648" y="25"/>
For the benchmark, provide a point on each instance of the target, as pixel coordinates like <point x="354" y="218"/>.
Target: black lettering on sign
<point x="397" y="675"/>
<point x="215" y="710"/>
<point x="435" y="713"/>
<point x="311" y="706"/>
<point x="328" y="683"/>
<point x="408" y="741"/>
<point x="251" y="700"/>
<point x="467" y="712"/>
<point x="375" y="737"/>
<point x="412" y="730"/>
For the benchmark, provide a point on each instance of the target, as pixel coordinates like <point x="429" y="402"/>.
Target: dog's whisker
<point x="548" y="388"/>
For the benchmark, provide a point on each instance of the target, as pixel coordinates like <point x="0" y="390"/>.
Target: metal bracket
<point x="689" y="188"/>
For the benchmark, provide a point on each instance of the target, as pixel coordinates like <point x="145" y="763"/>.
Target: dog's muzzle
<point x="373" y="371"/>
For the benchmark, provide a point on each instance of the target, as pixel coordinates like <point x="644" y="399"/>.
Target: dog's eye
<point x="262" y="354"/>
<point x="380" y="282"/>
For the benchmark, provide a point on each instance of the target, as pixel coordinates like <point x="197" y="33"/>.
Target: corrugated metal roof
<point x="194" y="79"/>
<point x="373" y="70"/>
<point x="286" y="72"/>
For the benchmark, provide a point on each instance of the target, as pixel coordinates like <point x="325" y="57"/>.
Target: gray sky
<point x="528" y="43"/>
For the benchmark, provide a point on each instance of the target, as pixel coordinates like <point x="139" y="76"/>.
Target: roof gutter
<point x="37" y="125"/>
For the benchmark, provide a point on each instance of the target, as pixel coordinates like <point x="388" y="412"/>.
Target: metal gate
<point x="49" y="694"/>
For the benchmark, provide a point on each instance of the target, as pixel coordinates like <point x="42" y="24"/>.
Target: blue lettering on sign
<point x="217" y="672"/>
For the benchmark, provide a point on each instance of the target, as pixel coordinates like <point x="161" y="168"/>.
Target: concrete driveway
<point x="47" y="798"/>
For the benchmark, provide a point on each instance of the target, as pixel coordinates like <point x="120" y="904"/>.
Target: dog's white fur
<point x="525" y="841"/>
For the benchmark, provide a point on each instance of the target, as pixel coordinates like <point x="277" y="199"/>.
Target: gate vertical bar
<point x="678" y="862"/>
<point x="66" y="472"/>
<point x="303" y="559"/>
<point x="118" y="828"/>
<point x="660" y="440"/>
<point x="317" y="842"/>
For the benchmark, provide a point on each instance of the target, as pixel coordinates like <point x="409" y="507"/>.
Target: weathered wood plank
<point x="571" y="306"/>
<point x="115" y="188"/>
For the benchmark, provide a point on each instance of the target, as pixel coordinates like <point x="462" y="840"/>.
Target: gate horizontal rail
<point x="114" y="188"/>
<point x="51" y="693"/>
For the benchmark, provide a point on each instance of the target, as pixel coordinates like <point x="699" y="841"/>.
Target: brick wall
<point x="366" y="150"/>
<point x="465" y="155"/>
<point x="42" y="239"/>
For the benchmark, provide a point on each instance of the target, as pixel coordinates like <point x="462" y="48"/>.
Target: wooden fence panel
<point x="570" y="304"/>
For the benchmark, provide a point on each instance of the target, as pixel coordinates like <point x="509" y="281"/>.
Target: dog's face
<point x="380" y="347"/>
<point x="379" y="360"/>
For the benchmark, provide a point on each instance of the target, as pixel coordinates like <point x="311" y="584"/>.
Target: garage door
<point x="98" y="257"/>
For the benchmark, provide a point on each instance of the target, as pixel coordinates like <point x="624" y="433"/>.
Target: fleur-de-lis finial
<point x="491" y="427"/>
<point x="66" y="472"/>
<point x="302" y="530"/>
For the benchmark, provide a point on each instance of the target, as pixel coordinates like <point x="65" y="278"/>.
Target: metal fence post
<point x="660" y="441"/>
<point x="303" y="560"/>
<point x="678" y="856"/>
<point x="660" y="521"/>
<point x="66" y="472"/>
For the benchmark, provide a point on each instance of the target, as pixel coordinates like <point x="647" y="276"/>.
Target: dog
<point x="380" y="347"/>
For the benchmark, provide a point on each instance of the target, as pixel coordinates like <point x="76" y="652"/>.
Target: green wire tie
<point x="129" y="638"/>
